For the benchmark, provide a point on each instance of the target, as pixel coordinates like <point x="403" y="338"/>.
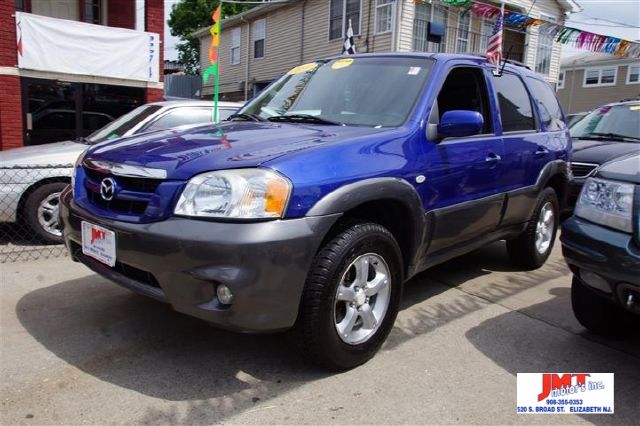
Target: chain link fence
<point x="29" y="202"/>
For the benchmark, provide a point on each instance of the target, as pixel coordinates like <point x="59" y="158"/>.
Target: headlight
<point x="237" y="194"/>
<point x="607" y="203"/>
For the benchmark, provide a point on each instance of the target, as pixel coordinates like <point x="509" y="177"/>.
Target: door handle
<point x="541" y="151"/>
<point x="492" y="157"/>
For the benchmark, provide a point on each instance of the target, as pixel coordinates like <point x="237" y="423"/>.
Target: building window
<point x="90" y="11"/>
<point x="464" y="28"/>
<point x="544" y="49"/>
<point x="425" y="13"/>
<point x="561" y="76"/>
<point x="384" y="16"/>
<point x="22" y="5"/>
<point x="258" y="38"/>
<point x="235" y="46"/>
<point x="340" y="11"/>
<point x="633" y="74"/>
<point x="594" y="77"/>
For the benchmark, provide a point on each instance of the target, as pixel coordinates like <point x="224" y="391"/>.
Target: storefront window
<point x="57" y="110"/>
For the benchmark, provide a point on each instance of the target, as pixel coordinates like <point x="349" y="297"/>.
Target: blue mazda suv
<point x="311" y="206"/>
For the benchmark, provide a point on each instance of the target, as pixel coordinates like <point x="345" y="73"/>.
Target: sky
<point x="618" y="18"/>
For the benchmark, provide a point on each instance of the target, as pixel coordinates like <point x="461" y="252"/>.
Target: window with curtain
<point x="384" y="16"/>
<point x="544" y="50"/>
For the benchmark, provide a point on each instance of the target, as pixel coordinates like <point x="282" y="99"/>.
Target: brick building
<point x="42" y="104"/>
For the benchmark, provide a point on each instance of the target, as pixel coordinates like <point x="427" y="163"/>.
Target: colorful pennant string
<point x="564" y="35"/>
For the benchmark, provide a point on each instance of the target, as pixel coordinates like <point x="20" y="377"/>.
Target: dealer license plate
<point x="99" y="243"/>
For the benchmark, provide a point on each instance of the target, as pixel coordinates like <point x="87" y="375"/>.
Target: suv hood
<point x="49" y="155"/>
<point x="625" y="169"/>
<point x="185" y="153"/>
<point x="599" y="152"/>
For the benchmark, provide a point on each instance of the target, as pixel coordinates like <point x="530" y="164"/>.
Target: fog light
<point x="595" y="281"/>
<point x="224" y="294"/>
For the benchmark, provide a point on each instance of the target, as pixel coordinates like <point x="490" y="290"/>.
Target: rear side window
<point x="515" y="105"/>
<point x="550" y="112"/>
<point x="181" y="116"/>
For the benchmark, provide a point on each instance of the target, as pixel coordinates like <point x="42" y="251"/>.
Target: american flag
<point x="494" y="45"/>
<point x="349" y="47"/>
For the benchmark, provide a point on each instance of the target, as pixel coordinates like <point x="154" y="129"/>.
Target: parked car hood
<point x="625" y="169"/>
<point x="52" y="155"/>
<point x="599" y="152"/>
<point x="185" y="153"/>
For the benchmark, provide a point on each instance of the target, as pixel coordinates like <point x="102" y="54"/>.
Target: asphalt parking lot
<point x="77" y="349"/>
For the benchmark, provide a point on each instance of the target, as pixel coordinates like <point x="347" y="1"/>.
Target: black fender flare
<point x="354" y="194"/>
<point x="552" y="169"/>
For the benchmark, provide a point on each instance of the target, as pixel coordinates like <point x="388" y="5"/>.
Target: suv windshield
<point x="123" y="124"/>
<point x="360" y="91"/>
<point x="617" y="122"/>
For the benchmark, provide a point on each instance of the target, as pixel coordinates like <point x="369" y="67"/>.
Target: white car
<point x="32" y="177"/>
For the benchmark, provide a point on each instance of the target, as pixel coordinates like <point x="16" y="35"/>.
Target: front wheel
<point x="351" y="297"/>
<point x="532" y="248"/>
<point x="41" y="212"/>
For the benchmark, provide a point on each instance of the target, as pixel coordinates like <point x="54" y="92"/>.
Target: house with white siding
<point x="262" y="43"/>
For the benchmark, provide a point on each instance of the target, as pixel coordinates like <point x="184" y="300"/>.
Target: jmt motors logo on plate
<point x="570" y="393"/>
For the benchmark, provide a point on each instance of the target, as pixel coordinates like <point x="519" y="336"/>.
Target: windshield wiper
<point x="245" y="116"/>
<point x="303" y="118"/>
<point x="608" y="136"/>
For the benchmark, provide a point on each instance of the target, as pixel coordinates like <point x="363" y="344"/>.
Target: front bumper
<point x="10" y="194"/>
<point x="181" y="261"/>
<point x="611" y="255"/>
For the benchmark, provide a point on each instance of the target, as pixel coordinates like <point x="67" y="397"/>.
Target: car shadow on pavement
<point x="492" y="261"/>
<point x="143" y="345"/>
<point x="560" y="349"/>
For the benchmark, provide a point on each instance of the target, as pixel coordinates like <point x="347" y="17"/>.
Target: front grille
<point x="127" y="183"/>
<point x="581" y="170"/>
<point x="116" y="204"/>
<point x="132" y="197"/>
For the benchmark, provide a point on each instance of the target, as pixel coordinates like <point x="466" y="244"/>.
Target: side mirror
<point x="460" y="123"/>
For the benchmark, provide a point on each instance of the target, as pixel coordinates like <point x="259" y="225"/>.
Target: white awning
<point x="71" y="47"/>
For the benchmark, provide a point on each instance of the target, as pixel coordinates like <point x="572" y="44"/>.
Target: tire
<point x="41" y="212"/>
<point x="531" y="249"/>
<point x="594" y="312"/>
<point x="358" y="247"/>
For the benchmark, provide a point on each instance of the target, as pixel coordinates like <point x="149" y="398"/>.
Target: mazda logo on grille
<point x="108" y="188"/>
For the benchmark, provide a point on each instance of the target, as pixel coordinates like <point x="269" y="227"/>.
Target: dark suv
<point x="325" y="193"/>
<point x="601" y="244"/>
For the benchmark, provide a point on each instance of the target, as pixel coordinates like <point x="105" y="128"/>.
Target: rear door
<point x="525" y="145"/>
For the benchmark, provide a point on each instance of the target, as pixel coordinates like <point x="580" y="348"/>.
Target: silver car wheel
<point x="48" y="214"/>
<point x="545" y="227"/>
<point x="362" y="299"/>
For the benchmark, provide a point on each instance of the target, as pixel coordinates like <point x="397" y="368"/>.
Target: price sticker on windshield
<point x="342" y="63"/>
<point x="634" y="107"/>
<point x="303" y="68"/>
